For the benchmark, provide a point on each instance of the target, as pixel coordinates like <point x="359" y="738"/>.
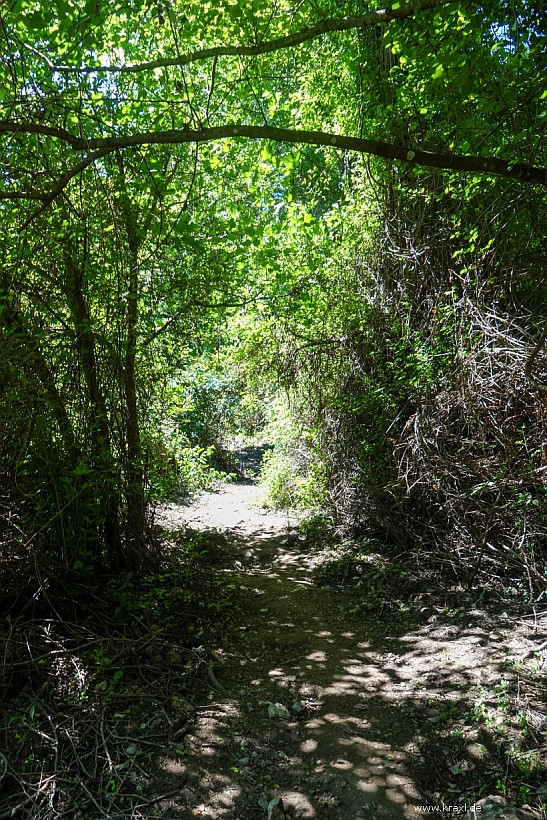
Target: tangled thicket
<point x="470" y="482"/>
<point x="470" y="464"/>
<point x="424" y="392"/>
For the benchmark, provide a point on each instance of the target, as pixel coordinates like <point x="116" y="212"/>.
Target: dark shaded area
<point x="249" y="460"/>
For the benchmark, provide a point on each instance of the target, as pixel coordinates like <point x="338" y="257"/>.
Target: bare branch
<point x="203" y="305"/>
<point x="533" y="354"/>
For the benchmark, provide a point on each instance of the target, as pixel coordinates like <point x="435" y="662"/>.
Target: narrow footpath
<point x="325" y="704"/>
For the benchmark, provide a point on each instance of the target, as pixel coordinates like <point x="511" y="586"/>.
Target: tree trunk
<point x="99" y="426"/>
<point x="134" y="492"/>
<point x="36" y="368"/>
<point x="135" y="476"/>
<point x="36" y="365"/>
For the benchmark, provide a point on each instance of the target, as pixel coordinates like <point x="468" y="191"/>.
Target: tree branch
<point x="59" y="187"/>
<point x="450" y="162"/>
<point x="203" y="305"/>
<point x="8" y="127"/>
<point x="373" y="18"/>
<point x="532" y="357"/>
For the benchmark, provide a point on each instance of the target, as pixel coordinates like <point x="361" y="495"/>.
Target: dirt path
<point x="373" y="705"/>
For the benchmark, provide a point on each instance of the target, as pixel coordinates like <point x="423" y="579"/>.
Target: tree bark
<point x="99" y="426"/>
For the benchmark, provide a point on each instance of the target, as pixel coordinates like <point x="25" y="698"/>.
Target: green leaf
<point x="34" y="20"/>
<point x="82" y="469"/>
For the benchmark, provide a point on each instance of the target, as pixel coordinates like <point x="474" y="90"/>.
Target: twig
<point x="215" y="684"/>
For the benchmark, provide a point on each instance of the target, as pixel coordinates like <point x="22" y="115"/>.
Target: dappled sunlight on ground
<point x="366" y="697"/>
<point x="260" y="684"/>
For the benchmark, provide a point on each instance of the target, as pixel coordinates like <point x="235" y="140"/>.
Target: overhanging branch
<point x="450" y="162"/>
<point x="373" y="18"/>
<point x="193" y="304"/>
<point x="102" y="146"/>
<point x="59" y="187"/>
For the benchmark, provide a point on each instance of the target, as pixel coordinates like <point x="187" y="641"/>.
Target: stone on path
<point x="495" y="808"/>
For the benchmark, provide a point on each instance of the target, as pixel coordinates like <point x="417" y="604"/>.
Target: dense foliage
<point x="342" y="202"/>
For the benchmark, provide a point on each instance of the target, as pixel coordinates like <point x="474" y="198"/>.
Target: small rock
<point x="477" y="750"/>
<point x="495" y="808"/>
<point x="495" y="636"/>
<point x="278" y="710"/>
<point x="131" y="751"/>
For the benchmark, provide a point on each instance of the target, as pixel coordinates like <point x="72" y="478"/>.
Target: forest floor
<point x="259" y="663"/>
<point x="349" y="702"/>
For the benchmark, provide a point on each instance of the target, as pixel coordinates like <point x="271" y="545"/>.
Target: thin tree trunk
<point x="99" y="427"/>
<point x="134" y="492"/>
<point x="36" y="367"/>
<point x="135" y="477"/>
<point x="135" y="484"/>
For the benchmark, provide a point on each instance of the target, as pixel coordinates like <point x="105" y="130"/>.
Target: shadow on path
<point x="367" y="705"/>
